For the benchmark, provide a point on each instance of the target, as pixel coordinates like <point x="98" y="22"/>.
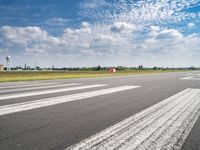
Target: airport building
<point x="1" y="67"/>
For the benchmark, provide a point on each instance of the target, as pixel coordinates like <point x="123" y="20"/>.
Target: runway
<point x="155" y="111"/>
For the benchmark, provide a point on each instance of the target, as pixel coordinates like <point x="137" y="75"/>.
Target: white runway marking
<point x="187" y="78"/>
<point x="195" y="79"/>
<point x="25" y="94"/>
<point x="18" y="107"/>
<point x="26" y="85"/>
<point x="190" y="74"/>
<point x="164" y="125"/>
<point x="190" y="78"/>
<point x="40" y="87"/>
<point x="19" y="83"/>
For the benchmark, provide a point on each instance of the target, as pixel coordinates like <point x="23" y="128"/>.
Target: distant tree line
<point x="100" y="68"/>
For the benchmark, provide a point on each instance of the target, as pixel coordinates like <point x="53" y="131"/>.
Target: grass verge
<point x="14" y="76"/>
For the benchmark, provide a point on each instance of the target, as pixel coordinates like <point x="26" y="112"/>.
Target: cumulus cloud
<point x="88" y="52"/>
<point x="159" y="43"/>
<point x="93" y="4"/>
<point x="123" y="27"/>
<point x="35" y="40"/>
<point x="125" y="31"/>
<point x="73" y="38"/>
<point x="109" y="39"/>
<point x="23" y="35"/>
<point x="85" y="29"/>
<point x="37" y="48"/>
<point x="143" y="13"/>
<point x="57" y="21"/>
<point x="155" y="28"/>
<point x="190" y="25"/>
<point x="172" y="43"/>
<point x="85" y="25"/>
<point x="171" y="34"/>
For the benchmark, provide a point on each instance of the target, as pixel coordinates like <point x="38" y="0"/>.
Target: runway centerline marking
<point x="164" y="125"/>
<point x="25" y="94"/>
<point x="40" y="87"/>
<point x="18" y="107"/>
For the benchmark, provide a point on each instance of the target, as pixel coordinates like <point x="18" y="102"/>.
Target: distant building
<point x="112" y="70"/>
<point x="1" y="67"/>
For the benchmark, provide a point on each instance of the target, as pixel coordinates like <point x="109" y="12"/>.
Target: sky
<point x="85" y="33"/>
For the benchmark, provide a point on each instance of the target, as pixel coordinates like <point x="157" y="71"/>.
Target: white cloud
<point x="169" y="34"/>
<point x="77" y="38"/>
<point x="23" y="35"/>
<point x="93" y="4"/>
<point x="109" y="39"/>
<point x="85" y="29"/>
<point x="104" y="46"/>
<point x="123" y="27"/>
<point x="88" y="52"/>
<point x="85" y="25"/>
<point x="37" y="49"/>
<point x="190" y="25"/>
<point x="132" y="32"/>
<point x="172" y="43"/>
<point x="155" y="28"/>
<point x="34" y="40"/>
<point x="57" y="21"/>
<point x="144" y="13"/>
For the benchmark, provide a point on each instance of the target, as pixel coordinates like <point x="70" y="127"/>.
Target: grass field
<point x="47" y="75"/>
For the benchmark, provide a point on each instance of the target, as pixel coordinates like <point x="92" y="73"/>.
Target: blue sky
<point x="100" y="32"/>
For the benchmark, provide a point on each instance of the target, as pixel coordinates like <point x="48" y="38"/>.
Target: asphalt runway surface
<point x="156" y="111"/>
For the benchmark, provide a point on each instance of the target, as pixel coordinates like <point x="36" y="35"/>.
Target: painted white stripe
<point x="164" y="125"/>
<point x="190" y="74"/>
<point x="187" y="78"/>
<point x="18" y="82"/>
<point x="26" y="85"/>
<point x="194" y="79"/>
<point x="25" y="94"/>
<point x="190" y="78"/>
<point x="40" y="87"/>
<point x="18" y="107"/>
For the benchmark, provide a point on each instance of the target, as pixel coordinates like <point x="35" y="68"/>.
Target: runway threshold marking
<point x="195" y="79"/>
<point x="190" y="74"/>
<point x="25" y="85"/>
<point x="164" y="125"/>
<point x="190" y="78"/>
<point x="18" y="107"/>
<point x="25" y="94"/>
<point x="40" y="87"/>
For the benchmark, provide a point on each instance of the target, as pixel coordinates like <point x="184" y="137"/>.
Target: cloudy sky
<point x="100" y="32"/>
